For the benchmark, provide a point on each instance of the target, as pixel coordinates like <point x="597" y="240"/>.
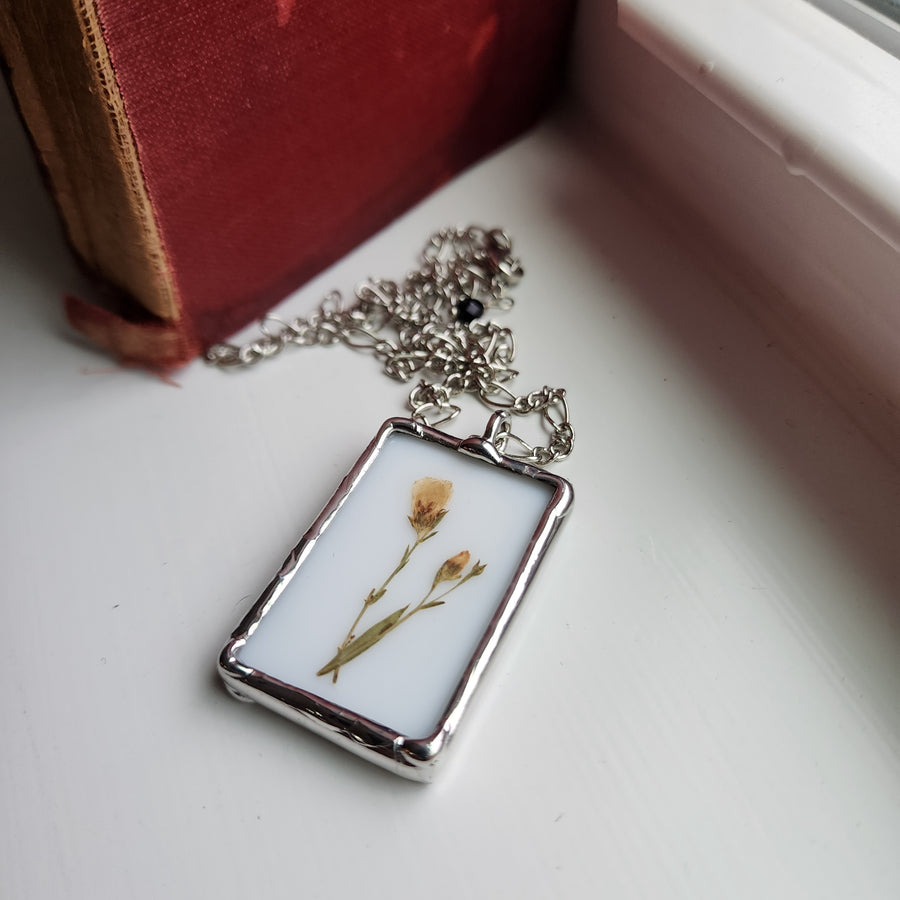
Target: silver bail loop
<point x="497" y="430"/>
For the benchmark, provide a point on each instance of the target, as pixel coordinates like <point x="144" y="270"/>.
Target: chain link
<point x="428" y="329"/>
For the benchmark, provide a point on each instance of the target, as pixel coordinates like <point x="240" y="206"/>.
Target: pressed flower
<point x="430" y="497"/>
<point x="429" y="504"/>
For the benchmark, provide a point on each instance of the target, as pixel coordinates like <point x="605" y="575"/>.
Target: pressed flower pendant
<point x="378" y="627"/>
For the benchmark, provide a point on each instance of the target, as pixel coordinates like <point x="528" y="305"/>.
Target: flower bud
<point x="452" y="568"/>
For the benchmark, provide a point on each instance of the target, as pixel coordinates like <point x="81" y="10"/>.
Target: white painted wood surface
<point x="699" y="701"/>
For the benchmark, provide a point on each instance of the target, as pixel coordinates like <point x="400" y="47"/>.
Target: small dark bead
<point x="469" y="310"/>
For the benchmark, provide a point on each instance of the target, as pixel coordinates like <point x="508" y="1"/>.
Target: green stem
<point x="358" y="646"/>
<point x="374" y="596"/>
<point x="424" y="603"/>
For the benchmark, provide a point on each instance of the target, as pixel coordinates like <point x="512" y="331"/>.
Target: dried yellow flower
<point x="429" y="504"/>
<point x="452" y="568"/>
<point x="430" y="497"/>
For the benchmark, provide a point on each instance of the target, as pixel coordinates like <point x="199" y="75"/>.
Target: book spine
<point x="63" y="82"/>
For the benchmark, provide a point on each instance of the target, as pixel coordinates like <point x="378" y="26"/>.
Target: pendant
<point x="379" y="626"/>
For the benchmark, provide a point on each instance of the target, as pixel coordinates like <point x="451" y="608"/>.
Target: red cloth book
<point x="209" y="156"/>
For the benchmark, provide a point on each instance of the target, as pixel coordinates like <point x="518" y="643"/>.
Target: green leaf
<point x="367" y="639"/>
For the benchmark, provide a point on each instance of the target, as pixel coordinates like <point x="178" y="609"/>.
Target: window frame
<point x="868" y="18"/>
<point x="820" y="95"/>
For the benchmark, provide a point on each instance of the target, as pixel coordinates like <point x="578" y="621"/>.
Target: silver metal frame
<point x="410" y="757"/>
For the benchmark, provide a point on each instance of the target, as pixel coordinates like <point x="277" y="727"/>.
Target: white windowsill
<point x="820" y="95"/>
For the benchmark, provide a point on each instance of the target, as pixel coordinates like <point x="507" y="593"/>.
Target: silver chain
<point x="428" y="328"/>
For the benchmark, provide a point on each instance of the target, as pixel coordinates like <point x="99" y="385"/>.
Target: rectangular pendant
<point x="378" y="627"/>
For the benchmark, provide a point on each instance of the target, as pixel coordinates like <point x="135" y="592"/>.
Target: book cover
<point x="209" y="157"/>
